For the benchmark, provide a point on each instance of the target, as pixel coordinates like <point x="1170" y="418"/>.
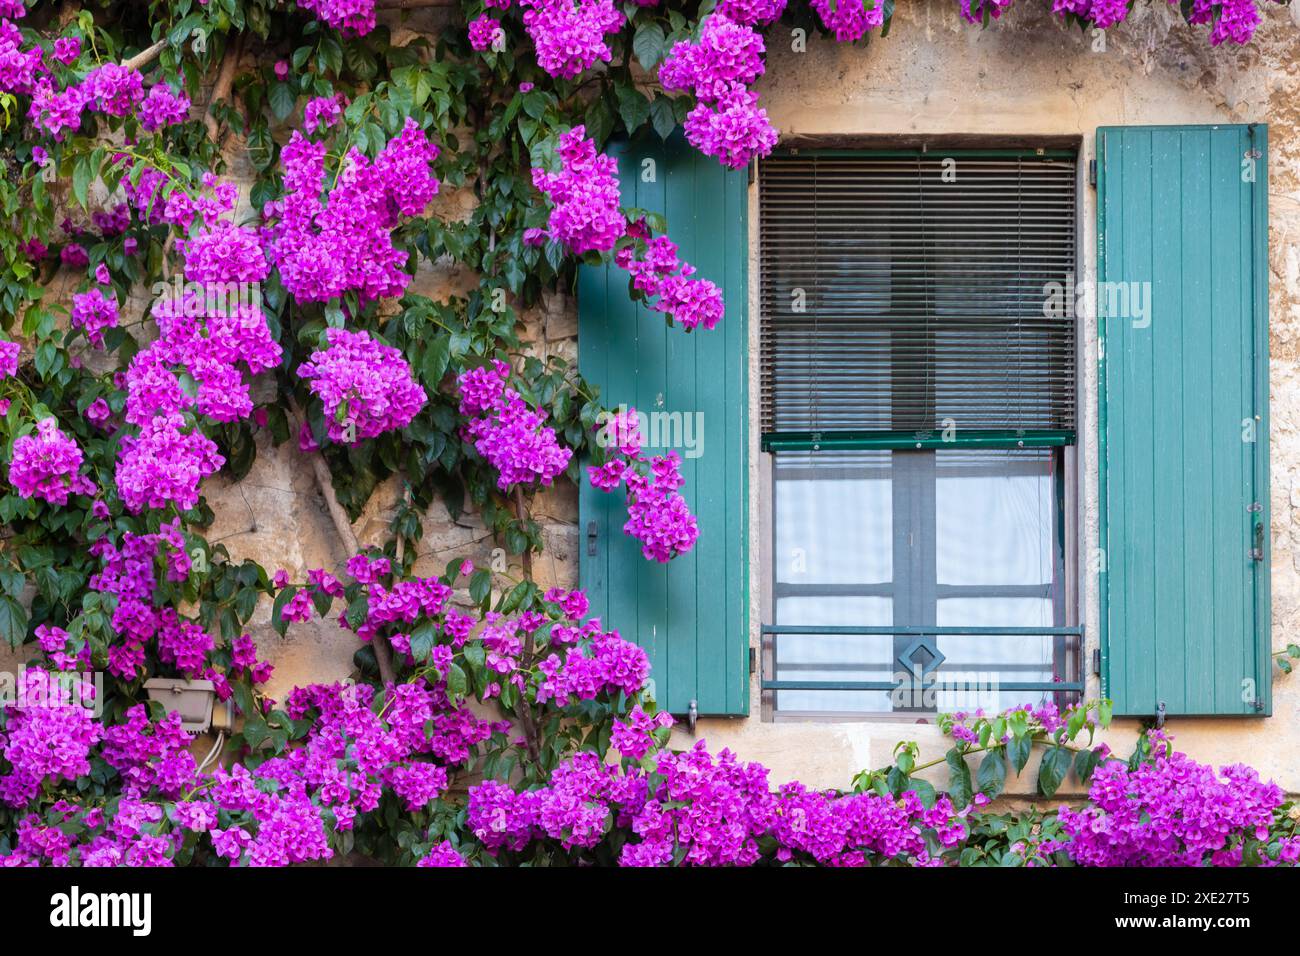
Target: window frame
<point x="1070" y="637"/>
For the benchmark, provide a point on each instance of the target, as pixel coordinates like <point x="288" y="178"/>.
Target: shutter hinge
<point x="1092" y="173"/>
<point x="753" y="171"/>
<point x="1257" y="552"/>
<point x="753" y="659"/>
<point x="1096" y="661"/>
<point x="591" y="539"/>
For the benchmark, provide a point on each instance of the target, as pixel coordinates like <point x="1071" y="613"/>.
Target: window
<point x="918" y="362"/>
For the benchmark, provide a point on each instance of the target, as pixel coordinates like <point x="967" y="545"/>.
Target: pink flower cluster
<point x="585" y="213"/>
<point x="667" y="281"/>
<point x="352" y="754"/>
<point x="710" y="811"/>
<point x="443" y="855"/>
<point x="570" y="34"/>
<point x="207" y="333"/>
<point x="750" y="12"/>
<point x="93" y="312"/>
<point x="718" y="68"/>
<point x="657" y="515"/>
<point x="324" y="248"/>
<point x="46" y="734"/>
<point x="1171" y="811"/>
<point x="9" y="352"/>
<point x="726" y="52"/>
<point x="602" y="664"/>
<point x="19" y="68"/>
<point x="506" y="431"/>
<point x="485" y="32"/>
<point x="634" y="737"/>
<point x="110" y="88"/>
<point x="163" y="107"/>
<point x="150" y="756"/>
<point x="282" y="813"/>
<point x="851" y="20"/>
<point x="47" y="465"/>
<point x="321" y="113"/>
<point x="347" y="16"/>
<point x="365" y="386"/>
<point x="130" y="573"/>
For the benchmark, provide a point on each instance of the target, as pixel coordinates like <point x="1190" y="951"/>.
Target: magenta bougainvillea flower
<point x="585" y="213"/>
<point x="47" y="465"/>
<point x="657" y="514"/>
<point x="348" y="16"/>
<point x="365" y="386"/>
<point x="506" y="431"/>
<point x="327" y="247"/>
<point x="485" y="32"/>
<point x="570" y="34"/>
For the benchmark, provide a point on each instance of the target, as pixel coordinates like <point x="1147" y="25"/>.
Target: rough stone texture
<point x="933" y="76"/>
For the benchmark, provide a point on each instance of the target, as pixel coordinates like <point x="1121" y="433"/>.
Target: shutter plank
<point x="1177" y="449"/>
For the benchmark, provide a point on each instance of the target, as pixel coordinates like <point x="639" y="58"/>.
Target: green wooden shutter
<point x="691" y="615"/>
<point x="1184" y="419"/>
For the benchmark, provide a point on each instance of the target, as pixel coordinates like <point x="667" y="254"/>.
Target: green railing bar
<point x="864" y="440"/>
<point x="891" y="686"/>
<point x="920" y="630"/>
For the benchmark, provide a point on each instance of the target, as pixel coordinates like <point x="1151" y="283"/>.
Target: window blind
<point x="909" y="292"/>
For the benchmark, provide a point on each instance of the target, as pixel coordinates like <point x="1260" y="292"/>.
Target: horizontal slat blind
<point x="907" y="292"/>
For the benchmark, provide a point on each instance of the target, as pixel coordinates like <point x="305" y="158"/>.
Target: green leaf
<point x="82" y="174"/>
<point x="277" y="609"/>
<point x="13" y="622"/>
<point x="992" y="775"/>
<point x="1019" y="749"/>
<point x="282" y="100"/>
<point x="633" y="107"/>
<point x="357" y="612"/>
<point x="1055" y="765"/>
<point x="480" y="586"/>
<point x="515" y="598"/>
<point x="457" y="682"/>
<point x="648" y="44"/>
<point x="1085" y="762"/>
<point x="436" y="358"/>
<point x="662" y="117"/>
<point x="422" y="639"/>
<point x="959" y="782"/>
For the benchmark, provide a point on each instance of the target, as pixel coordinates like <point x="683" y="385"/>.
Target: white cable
<point x="216" y="749"/>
